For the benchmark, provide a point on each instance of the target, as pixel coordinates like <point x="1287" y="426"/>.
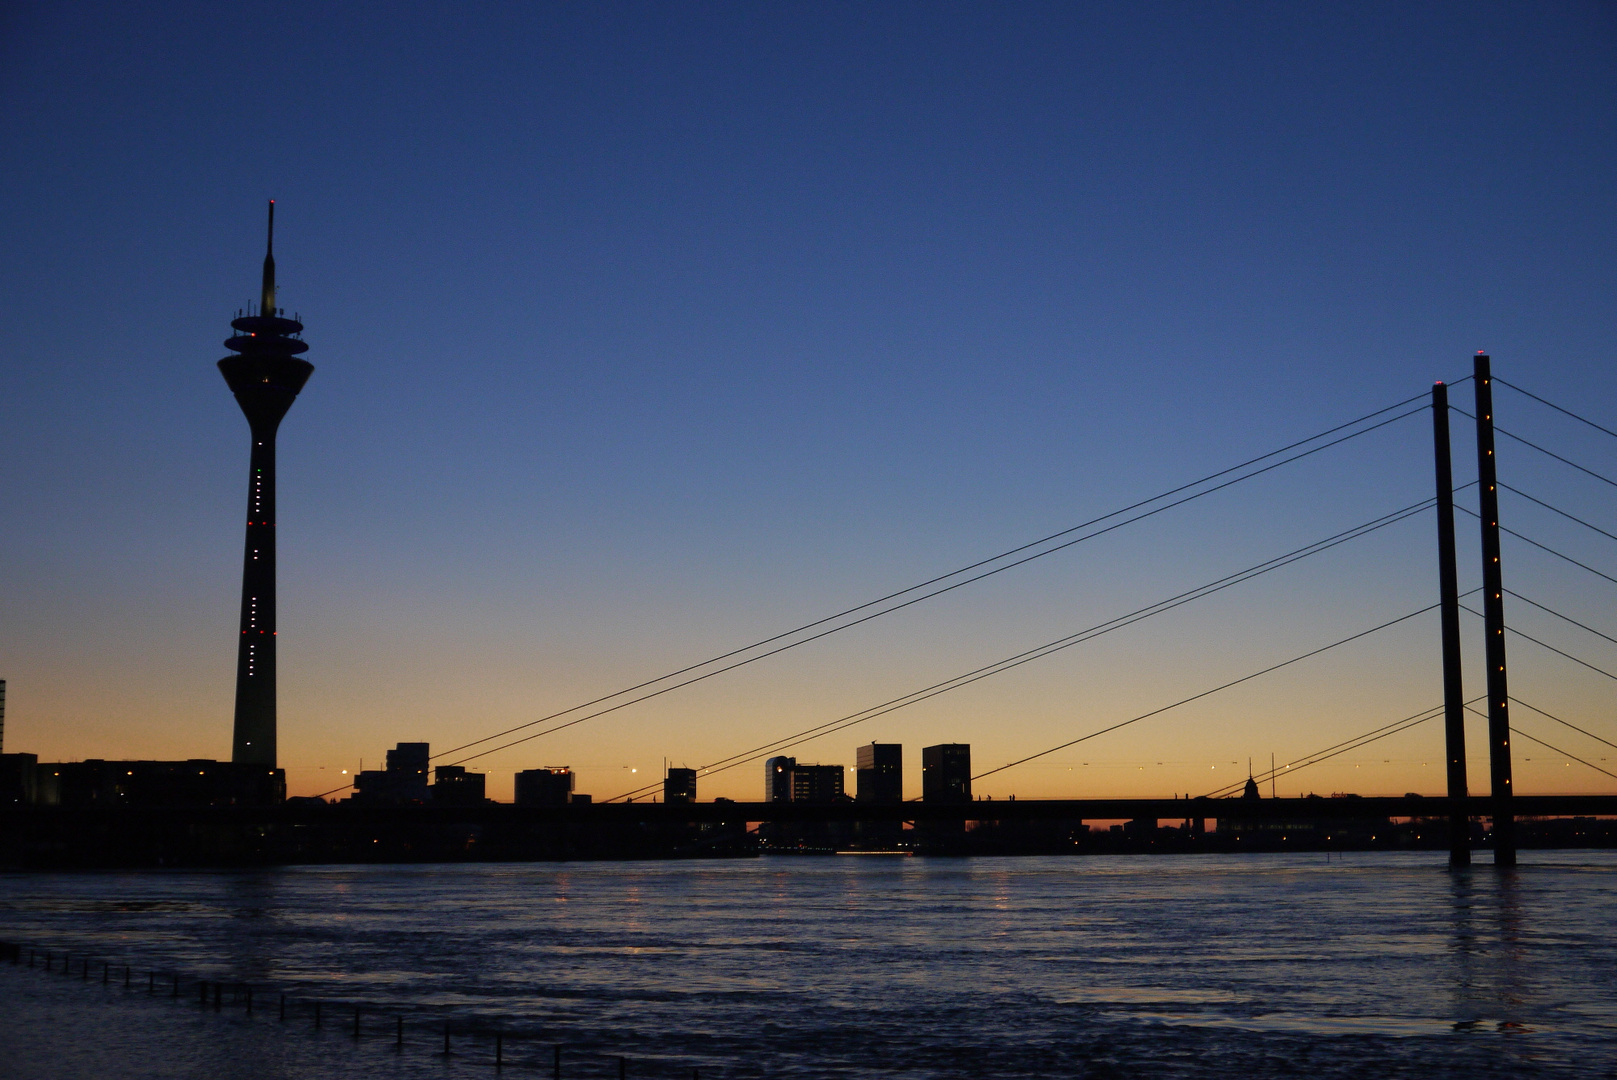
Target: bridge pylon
<point x="1449" y="588"/>
<point x="1493" y="622"/>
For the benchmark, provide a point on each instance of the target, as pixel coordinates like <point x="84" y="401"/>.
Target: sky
<point x="645" y="331"/>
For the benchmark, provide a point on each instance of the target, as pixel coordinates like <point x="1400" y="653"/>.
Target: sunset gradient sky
<point x="643" y="331"/>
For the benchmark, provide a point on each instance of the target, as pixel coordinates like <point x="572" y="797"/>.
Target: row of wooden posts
<point x="213" y="992"/>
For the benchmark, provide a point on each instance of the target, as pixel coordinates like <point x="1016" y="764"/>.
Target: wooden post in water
<point x="1493" y="622"/>
<point x="499" y="1050"/>
<point x="356" y="1021"/>
<point x="283" y="1006"/>
<point x="446" y="1036"/>
<point x="398" y="1031"/>
<point x="317" y="1013"/>
<point x="1448" y="584"/>
<point x="556" y="1063"/>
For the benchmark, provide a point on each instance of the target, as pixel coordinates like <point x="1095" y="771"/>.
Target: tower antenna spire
<point x="266" y="303"/>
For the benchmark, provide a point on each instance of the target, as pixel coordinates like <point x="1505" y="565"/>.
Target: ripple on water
<point x="1205" y="966"/>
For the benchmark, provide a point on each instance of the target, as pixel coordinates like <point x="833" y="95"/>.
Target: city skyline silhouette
<point x="727" y="345"/>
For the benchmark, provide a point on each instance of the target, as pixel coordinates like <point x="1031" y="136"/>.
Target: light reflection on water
<point x="1195" y="965"/>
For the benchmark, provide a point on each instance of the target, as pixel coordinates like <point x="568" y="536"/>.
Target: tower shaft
<point x="254" y="736"/>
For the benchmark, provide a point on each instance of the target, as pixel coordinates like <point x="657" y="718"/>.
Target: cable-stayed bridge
<point x="1548" y="728"/>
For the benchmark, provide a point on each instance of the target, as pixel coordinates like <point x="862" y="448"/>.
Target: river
<point x="1363" y="965"/>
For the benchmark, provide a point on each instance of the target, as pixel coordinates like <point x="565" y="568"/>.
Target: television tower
<point x="265" y="375"/>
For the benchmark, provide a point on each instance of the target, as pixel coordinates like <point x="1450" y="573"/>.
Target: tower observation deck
<point x="265" y="373"/>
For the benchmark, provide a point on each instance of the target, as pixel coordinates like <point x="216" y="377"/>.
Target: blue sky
<point x="642" y="331"/>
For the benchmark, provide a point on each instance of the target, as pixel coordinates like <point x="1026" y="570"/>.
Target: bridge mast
<point x="1493" y="618"/>
<point x="1449" y="587"/>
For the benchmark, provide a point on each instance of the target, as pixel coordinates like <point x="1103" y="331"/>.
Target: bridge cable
<point x="1374" y="735"/>
<point x="1518" y="731"/>
<point x="1214" y="690"/>
<point x="1540" y="449"/>
<point x="887" y="610"/>
<point x="1544" y="645"/>
<point x="1558" y="750"/>
<point x="1556" y="407"/>
<point x="965" y="569"/>
<point x="940" y="578"/>
<point x="1565" y="723"/>
<point x="1558" y="510"/>
<point x="1039" y="652"/>
<point x="1397" y="727"/>
<point x="1541" y="547"/>
<point x="944" y="577"/>
<point x="1558" y="615"/>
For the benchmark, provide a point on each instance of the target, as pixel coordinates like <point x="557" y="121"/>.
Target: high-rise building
<point x="679" y="786"/>
<point x="787" y="781"/>
<point x="778" y="779"/>
<point x="545" y="787"/>
<point x="403" y="781"/>
<point x="265" y="373"/>
<point x="817" y="783"/>
<point x="410" y="758"/>
<point x="879" y="773"/>
<point x="452" y="785"/>
<point x="946" y="773"/>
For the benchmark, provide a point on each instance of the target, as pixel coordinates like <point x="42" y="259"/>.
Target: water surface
<point x="1209" y="966"/>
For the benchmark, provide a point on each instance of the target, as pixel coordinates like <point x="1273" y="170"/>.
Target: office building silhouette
<point x="946" y="773"/>
<point x="879" y="773"/>
<point x="785" y="780"/>
<point x="545" y="787"/>
<point x="778" y="779"/>
<point x="679" y="786"/>
<point x="452" y="785"/>
<point x="403" y="781"/>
